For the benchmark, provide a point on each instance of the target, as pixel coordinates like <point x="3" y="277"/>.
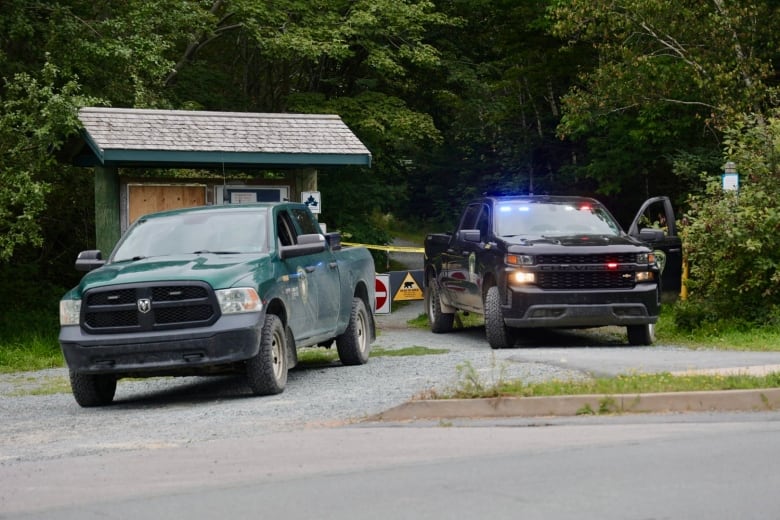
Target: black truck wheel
<point x="439" y="321"/>
<point x="267" y="372"/>
<point x="641" y="335"/>
<point x="92" y="389"/>
<point x="354" y="343"/>
<point x="498" y="334"/>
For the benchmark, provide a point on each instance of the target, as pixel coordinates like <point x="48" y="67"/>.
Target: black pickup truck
<point x="556" y="262"/>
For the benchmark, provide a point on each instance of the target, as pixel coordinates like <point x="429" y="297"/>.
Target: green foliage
<point x="453" y="99"/>
<point x="471" y="386"/>
<point x="28" y="328"/>
<point x="665" y="80"/>
<point x="37" y="113"/>
<point x="732" y="238"/>
<point x="496" y="101"/>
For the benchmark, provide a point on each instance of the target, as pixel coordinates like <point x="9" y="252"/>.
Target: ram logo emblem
<point x="144" y="305"/>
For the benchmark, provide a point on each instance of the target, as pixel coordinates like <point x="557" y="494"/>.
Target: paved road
<point x="697" y="467"/>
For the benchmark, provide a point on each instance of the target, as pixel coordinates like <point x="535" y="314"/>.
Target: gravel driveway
<point x="160" y="412"/>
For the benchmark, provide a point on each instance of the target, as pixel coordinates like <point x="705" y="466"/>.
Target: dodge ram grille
<point x="138" y="308"/>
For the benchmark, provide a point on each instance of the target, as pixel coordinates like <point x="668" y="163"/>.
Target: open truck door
<point x="655" y="225"/>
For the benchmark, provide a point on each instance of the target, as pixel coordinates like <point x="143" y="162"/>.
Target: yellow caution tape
<point x="389" y="249"/>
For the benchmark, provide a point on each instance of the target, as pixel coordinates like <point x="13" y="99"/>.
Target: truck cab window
<point x="483" y="222"/>
<point x="285" y="230"/>
<point x="469" y="220"/>
<point x="305" y="223"/>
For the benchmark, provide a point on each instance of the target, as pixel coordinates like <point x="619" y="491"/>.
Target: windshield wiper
<point x="133" y="259"/>
<point x="207" y="252"/>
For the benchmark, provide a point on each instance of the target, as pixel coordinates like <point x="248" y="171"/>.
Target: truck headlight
<point x="239" y="299"/>
<point x="519" y="259"/>
<point x="645" y="258"/>
<point x="522" y="277"/>
<point x="70" y="311"/>
<point x="645" y="276"/>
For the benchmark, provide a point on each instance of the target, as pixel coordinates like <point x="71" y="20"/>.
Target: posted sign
<point x="312" y="200"/>
<point x="383" y="294"/>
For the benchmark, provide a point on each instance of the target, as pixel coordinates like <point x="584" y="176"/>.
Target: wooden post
<point x="305" y="180"/>
<point x="107" y="220"/>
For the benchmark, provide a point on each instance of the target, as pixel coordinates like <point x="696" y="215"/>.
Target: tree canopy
<point x="619" y="99"/>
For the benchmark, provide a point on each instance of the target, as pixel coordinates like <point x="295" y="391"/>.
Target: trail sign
<point x="409" y="289"/>
<point x="382" y="289"/>
<point x="313" y="200"/>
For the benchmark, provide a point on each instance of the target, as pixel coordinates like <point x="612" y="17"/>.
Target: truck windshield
<point x="554" y="219"/>
<point x="218" y="232"/>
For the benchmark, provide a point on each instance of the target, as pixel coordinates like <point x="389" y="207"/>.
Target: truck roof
<point x="559" y="199"/>
<point x="226" y="207"/>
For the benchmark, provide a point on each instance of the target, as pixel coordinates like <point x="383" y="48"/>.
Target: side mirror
<point x="651" y="234"/>
<point x="307" y="245"/>
<point x="89" y="260"/>
<point x="469" y="235"/>
<point x="334" y="240"/>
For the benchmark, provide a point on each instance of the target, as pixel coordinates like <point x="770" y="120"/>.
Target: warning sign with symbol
<point x="382" y="285"/>
<point x="409" y="289"/>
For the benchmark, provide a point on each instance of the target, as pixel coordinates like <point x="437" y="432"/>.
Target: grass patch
<point x="720" y="336"/>
<point x="470" y="385"/>
<point x="407" y="351"/>
<point x="32" y="353"/>
<point x="316" y="356"/>
<point x="28" y="340"/>
<point x="48" y="386"/>
<point x="462" y="320"/>
<point x="412" y="232"/>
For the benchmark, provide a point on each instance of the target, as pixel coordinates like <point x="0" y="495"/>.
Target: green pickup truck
<point x="213" y="290"/>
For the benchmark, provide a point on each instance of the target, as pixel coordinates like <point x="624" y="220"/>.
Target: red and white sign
<point x="382" y="288"/>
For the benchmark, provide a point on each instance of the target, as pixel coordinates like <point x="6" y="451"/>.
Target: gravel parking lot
<point x="175" y="411"/>
<point x="160" y="412"/>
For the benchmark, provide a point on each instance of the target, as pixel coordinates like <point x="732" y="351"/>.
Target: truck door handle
<point x="333" y="265"/>
<point x="310" y="268"/>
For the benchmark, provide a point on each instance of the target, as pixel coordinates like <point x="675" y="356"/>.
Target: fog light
<point x="645" y="276"/>
<point x="523" y="277"/>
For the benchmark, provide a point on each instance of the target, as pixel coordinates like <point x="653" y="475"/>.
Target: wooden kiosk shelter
<point x="292" y="146"/>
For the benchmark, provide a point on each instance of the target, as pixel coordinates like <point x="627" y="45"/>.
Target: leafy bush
<point x="732" y="238"/>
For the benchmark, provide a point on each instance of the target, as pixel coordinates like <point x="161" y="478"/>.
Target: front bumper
<point x="231" y="339"/>
<point x="532" y="307"/>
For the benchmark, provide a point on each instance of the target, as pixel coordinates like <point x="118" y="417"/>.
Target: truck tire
<point x="92" y="389"/>
<point x="641" y="335"/>
<point x="498" y="334"/>
<point x="266" y="373"/>
<point x="440" y="321"/>
<point x="354" y="343"/>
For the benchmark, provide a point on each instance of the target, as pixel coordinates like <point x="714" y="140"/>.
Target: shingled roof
<point x="139" y="137"/>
